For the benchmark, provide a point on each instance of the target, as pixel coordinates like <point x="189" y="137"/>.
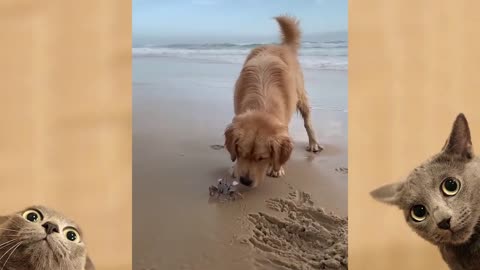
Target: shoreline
<point x="205" y="61"/>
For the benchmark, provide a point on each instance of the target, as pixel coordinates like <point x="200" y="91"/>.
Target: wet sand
<point x="180" y="110"/>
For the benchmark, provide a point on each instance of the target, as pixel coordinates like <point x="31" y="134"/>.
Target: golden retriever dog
<point x="269" y="90"/>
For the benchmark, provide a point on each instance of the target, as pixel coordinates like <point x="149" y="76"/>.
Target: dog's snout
<point x="246" y="181"/>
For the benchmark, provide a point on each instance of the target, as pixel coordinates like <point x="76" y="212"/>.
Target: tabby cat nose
<point x="444" y="224"/>
<point x="50" y="227"/>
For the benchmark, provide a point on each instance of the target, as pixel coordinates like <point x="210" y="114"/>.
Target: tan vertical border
<point x="414" y="65"/>
<point x="65" y="117"/>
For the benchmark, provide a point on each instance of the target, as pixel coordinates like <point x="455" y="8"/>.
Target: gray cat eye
<point x="418" y="213"/>
<point x="450" y="186"/>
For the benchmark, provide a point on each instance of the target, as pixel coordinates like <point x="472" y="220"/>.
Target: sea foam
<point x="327" y="55"/>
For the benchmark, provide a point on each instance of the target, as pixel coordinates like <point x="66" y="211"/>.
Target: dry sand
<point x="180" y="110"/>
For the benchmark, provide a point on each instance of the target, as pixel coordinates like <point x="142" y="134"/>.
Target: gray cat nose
<point x="444" y="224"/>
<point x="50" y="227"/>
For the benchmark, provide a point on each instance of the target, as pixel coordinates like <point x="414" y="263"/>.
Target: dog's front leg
<point x="273" y="173"/>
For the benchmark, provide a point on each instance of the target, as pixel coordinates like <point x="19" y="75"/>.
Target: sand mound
<point x="307" y="238"/>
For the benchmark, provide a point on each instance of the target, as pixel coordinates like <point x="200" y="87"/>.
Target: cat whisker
<point x="11" y="253"/>
<point x="2" y="245"/>
<point x="12" y="247"/>
<point x="5" y="229"/>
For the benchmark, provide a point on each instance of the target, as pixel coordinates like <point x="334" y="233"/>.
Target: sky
<point x="190" y="20"/>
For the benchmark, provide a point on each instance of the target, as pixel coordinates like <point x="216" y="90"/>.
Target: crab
<point x="225" y="190"/>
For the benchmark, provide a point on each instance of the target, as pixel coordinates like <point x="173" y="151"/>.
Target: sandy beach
<point x="180" y="110"/>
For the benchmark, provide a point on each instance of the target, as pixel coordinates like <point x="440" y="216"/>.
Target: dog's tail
<point x="289" y="27"/>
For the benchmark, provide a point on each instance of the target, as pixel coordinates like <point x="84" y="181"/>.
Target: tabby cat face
<point x="441" y="198"/>
<point x="39" y="238"/>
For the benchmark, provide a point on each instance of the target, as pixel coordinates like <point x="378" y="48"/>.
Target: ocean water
<point x="320" y="55"/>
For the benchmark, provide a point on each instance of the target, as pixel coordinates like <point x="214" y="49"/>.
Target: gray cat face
<point x="440" y="198"/>
<point x="40" y="238"/>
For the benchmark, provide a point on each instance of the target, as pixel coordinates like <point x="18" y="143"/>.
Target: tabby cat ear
<point x="389" y="194"/>
<point x="459" y="143"/>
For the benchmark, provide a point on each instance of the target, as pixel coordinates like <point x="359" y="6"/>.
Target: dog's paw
<point x="314" y="147"/>
<point x="272" y="173"/>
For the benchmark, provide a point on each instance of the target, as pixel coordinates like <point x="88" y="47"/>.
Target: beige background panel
<point x="414" y="65"/>
<point x="65" y="117"/>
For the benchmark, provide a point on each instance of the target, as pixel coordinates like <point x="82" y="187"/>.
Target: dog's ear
<point x="281" y="148"/>
<point x="231" y="142"/>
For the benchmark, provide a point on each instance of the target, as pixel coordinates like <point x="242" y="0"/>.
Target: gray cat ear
<point x="459" y="142"/>
<point x="389" y="194"/>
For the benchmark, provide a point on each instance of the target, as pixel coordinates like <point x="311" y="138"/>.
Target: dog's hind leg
<point x="303" y="107"/>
